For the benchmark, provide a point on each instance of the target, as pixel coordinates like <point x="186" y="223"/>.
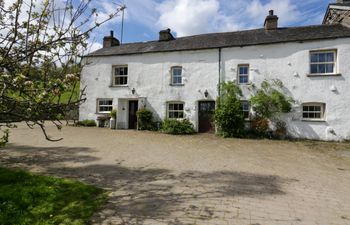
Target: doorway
<point x="133" y="107"/>
<point x="206" y="116"/>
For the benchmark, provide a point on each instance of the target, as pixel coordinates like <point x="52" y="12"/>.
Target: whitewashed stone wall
<point x="150" y="75"/>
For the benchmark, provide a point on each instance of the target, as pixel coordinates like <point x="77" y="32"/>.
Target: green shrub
<point x="228" y="115"/>
<point x="87" y="123"/>
<point x="113" y="113"/>
<point x="145" y="120"/>
<point x="269" y="100"/>
<point x="172" y="126"/>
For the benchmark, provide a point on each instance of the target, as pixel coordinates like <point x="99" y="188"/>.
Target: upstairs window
<point x="322" y="62"/>
<point x="243" y="74"/>
<point x="313" y="111"/>
<point x="175" y="110"/>
<point x="120" y="75"/>
<point x="245" y="109"/>
<point x="104" y="105"/>
<point x="176" y="75"/>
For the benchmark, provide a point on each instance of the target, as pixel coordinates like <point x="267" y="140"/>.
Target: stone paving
<point x="202" y="179"/>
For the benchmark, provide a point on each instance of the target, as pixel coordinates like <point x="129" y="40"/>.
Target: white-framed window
<point x="245" y="109"/>
<point x="104" y="105"/>
<point x="176" y="75"/>
<point x="175" y="110"/>
<point x="243" y="74"/>
<point x="120" y="75"/>
<point x="323" y="62"/>
<point x="313" y="111"/>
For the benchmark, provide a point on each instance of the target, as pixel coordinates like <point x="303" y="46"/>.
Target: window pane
<point x="305" y="108"/>
<point x="305" y="115"/>
<point x="311" y="108"/>
<point x="312" y="115"/>
<point x="314" y="57"/>
<point x="329" y="68"/>
<point x="318" y="108"/>
<point x="330" y="57"/>
<point x="321" y="68"/>
<point x="181" y="115"/>
<point x="318" y="115"/>
<point x="321" y="57"/>
<point x="171" y="115"/>
<point x="181" y="107"/>
<point x="176" y="114"/>
<point x="314" y="68"/>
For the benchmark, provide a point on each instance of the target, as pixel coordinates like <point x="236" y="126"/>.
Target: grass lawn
<point x="26" y="198"/>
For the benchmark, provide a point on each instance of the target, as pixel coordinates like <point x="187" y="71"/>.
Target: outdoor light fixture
<point x="133" y="91"/>
<point x="206" y="93"/>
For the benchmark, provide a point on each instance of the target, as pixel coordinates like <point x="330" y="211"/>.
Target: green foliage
<point x="87" y="123"/>
<point x="113" y="113"/>
<point x="228" y="115"/>
<point x="269" y="100"/>
<point x="5" y="138"/>
<point x="145" y="119"/>
<point x="40" y="59"/>
<point x="173" y="126"/>
<point x="32" y="199"/>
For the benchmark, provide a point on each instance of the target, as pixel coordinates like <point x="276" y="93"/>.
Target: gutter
<point x="219" y="80"/>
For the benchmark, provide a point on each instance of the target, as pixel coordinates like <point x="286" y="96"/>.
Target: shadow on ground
<point x="140" y="194"/>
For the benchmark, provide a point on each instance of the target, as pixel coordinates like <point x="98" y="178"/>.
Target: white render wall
<point x="149" y="74"/>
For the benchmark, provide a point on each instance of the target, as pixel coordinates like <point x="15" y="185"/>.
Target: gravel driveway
<point x="201" y="179"/>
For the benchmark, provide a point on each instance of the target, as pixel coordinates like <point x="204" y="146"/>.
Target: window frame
<point x="98" y="105"/>
<point x="168" y="111"/>
<point x="322" y="111"/>
<point x="243" y="111"/>
<point x="334" y="62"/>
<point x="172" y="76"/>
<point x="114" y="76"/>
<point x="239" y="75"/>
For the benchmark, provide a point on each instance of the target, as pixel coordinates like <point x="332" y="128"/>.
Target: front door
<point x="133" y="107"/>
<point x="205" y="116"/>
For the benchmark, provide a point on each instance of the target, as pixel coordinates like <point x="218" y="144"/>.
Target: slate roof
<point x="230" y="39"/>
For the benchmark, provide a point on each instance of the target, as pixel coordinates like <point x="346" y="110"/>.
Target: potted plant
<point x="113" y="119"/>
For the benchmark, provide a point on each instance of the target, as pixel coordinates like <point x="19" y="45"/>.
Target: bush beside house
<point x="173" y="126"/>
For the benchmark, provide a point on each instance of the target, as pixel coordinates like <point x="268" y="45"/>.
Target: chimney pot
<point x="271" y="12"/>
<point x="112" y="33"/>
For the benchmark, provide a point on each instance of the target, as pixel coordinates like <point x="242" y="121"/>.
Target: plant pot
<point x="112" y="123"/>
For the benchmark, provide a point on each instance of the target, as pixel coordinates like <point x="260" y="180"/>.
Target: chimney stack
<point x="165" y="35"/>
<point x="110" y="41"/>
<point x="271" y="21"/>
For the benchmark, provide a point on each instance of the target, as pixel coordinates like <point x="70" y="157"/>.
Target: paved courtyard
<point x="201" y="179"/>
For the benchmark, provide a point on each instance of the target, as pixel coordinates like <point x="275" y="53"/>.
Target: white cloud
<point x="285" y="9"/>
<point x="188" y="17"/>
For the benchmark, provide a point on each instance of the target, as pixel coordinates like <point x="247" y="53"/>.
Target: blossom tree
<point x="41" y="44"/>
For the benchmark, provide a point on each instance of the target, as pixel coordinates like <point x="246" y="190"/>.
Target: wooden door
<point x="206" y="116"/>
<point x="133" y="107"/>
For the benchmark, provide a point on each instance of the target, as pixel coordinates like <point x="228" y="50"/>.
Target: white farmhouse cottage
<point x="178" y="77"/>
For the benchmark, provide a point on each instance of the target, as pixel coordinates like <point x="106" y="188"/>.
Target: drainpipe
<point x="219" y="91"/>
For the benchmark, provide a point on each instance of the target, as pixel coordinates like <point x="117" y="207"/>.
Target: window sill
<point x="117" y="86"/>
<point x="313" y="120"/>
<point x="323" y="75"/>
<point x="176" y="85"/>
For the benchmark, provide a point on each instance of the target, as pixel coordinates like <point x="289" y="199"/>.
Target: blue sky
<point x="144" y="18"/>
